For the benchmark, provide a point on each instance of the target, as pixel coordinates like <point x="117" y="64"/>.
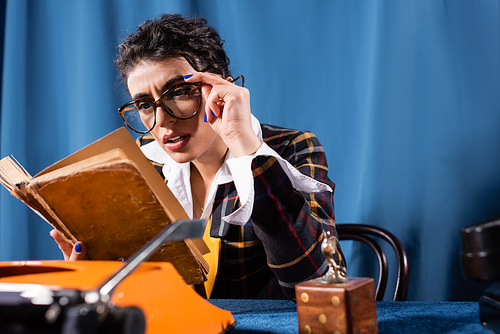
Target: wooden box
<point x="337" y="308"/>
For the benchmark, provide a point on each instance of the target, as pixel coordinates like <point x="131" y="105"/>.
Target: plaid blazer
<point x="280" y="245"/>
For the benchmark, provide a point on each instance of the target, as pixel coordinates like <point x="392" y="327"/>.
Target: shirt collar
<point x="179" y="174"/>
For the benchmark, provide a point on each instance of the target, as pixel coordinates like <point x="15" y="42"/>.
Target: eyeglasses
<point x="182" y="101"/>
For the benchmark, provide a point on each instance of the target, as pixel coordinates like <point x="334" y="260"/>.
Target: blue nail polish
<point x="205" y="118"/>
<point x="78" y="248"/>
<point x="215" y="116"/>
<point x="123" y="260"/>
<point x="188" y="76"/>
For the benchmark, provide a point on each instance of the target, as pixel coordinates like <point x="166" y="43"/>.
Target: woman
<point x="263" y="189"/>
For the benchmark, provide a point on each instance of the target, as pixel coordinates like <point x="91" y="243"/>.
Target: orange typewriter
<point x="108" y="296"/>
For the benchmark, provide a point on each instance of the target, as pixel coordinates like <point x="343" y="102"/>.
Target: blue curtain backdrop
<point x="404" y="96"/>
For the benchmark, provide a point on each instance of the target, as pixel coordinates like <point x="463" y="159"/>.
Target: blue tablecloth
<point x="278" y="316"/>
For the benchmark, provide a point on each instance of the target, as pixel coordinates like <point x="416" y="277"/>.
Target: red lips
<point x="175" y="140"/>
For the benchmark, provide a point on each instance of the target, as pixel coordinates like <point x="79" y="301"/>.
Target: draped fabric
<point x="403" y="95"/>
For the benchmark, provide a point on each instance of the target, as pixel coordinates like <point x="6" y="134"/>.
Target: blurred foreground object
<point x="481" y="262"/>
<point x="108" y="296"/>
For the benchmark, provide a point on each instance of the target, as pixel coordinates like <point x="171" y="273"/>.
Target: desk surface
<point x="278" y="316"/>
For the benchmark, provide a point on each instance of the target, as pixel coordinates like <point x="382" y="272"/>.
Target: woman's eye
<point x="181" y="92"/>
<point x="144" y="105"/>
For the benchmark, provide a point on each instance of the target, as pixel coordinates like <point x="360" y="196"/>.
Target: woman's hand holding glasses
<point x="227" y="110"/>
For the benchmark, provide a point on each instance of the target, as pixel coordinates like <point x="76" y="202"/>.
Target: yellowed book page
<point x="14" y="177"/>
<point x="12" y="173"/>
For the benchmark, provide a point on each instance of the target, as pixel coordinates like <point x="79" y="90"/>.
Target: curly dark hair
<point x="172" y="36"/>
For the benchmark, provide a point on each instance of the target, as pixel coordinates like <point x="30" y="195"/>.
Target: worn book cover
<point x="110" y="197"/>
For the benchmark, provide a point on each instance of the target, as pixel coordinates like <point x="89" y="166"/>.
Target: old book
<point x="110" y="197"/>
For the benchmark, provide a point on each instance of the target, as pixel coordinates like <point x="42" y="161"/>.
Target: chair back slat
<point x="359" y="232"/>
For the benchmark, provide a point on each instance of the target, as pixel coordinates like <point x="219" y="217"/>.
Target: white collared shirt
<point x="233" y="169"/>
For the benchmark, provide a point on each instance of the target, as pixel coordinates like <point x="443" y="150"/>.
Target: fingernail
<point x="187" y="76"/>
<point x="123" y="260"/>
<point x="205" y="118"/>
<point x="78" y="248"/>
<point x="215" y="116"/>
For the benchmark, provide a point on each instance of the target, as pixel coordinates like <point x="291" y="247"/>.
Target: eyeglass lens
<point x="182" y="102"/>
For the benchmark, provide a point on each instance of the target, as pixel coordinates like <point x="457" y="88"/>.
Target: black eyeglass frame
<point x="158" y="103"/>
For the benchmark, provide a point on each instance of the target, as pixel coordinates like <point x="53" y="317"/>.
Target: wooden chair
<point x="365" y="233"/>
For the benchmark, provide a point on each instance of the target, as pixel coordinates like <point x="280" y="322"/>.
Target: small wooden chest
<point x="338" y="308"/>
